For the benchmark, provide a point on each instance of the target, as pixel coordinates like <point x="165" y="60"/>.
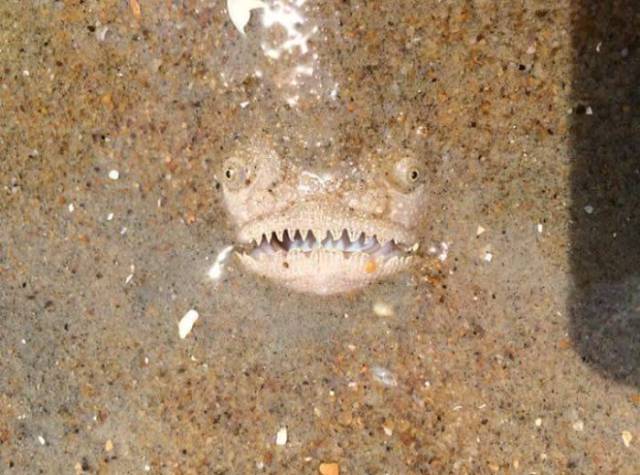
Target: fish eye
<point x="237" y="173"/>
<point x="408" y="174"/>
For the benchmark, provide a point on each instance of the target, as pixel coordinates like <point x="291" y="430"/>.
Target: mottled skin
<point x="265" y="194"/>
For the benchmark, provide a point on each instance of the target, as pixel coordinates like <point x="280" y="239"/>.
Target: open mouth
<point x="316" y="248"/>
<point x="325" y="262"/>
<point x="345" y="242"/>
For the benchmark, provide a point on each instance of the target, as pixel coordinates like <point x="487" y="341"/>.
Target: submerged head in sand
<point x="320" y="163"/>
<point x="324" y="233"/>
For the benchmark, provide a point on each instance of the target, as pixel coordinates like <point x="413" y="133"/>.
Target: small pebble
<point x="626" y="438"/>
<point x="108" y="446"/>
<point x="480" y="230"/>
<point x="43" y="442"/>
<point x="488" y="257"/>
<point x="588" y="209"/>
<point x="578" y="426"/>
<point x="101" y="33"/>
<point x="444" y="251"/>
<point x="135" y="8"/>
<point x="114" y="174"/>
<point x="538" y="422"/>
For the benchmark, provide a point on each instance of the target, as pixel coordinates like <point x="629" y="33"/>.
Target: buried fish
<point x="319" y="233"/>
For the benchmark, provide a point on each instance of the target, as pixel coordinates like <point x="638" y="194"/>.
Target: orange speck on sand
<point x="329" y="469"/>
<point x="371" y="266"/>
<point x="135" y="8"/>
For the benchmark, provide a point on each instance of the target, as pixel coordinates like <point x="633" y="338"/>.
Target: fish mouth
<point x="325" y="256"/>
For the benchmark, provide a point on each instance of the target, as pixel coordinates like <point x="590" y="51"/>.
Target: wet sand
<point x="511" y="348"/>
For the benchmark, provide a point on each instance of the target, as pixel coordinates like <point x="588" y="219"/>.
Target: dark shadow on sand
<point x="605" y="209"/>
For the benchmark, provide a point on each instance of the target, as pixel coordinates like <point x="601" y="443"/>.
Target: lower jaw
<point x="325" y="272"/>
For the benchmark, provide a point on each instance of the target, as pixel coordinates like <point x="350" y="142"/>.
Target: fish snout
<point x="370" y="201"/>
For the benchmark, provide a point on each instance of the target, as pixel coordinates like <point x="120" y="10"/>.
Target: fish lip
<point x="323" y="271"/>
<point x="320" y="219"/>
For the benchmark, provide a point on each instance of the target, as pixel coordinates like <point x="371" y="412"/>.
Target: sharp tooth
<point x="349" y="234"/>
<point x="353" y="235"/>
<point x="279" y="234"/>
<point x="413" y="248"/>
<point x="337" y="234"/>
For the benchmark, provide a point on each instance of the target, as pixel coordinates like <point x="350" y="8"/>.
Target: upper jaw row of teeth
<point x="317" y="235"/>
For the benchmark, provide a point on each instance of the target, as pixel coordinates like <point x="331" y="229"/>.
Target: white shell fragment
<point x="240" y="12"/>
<point x="215" y="271"/>
<point x="114" y="174"/>
<point x="281" y="436"/>
<point x="382" y="309"/>
<point x="186" y="323"/>
<point x="384" y="376"/>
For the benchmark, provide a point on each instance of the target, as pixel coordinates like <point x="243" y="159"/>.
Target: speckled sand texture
<point x="512" y="348"/>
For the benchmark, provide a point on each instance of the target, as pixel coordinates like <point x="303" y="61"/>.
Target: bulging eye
<point x="408" y="174"/>
<point x="237" y="173"/>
